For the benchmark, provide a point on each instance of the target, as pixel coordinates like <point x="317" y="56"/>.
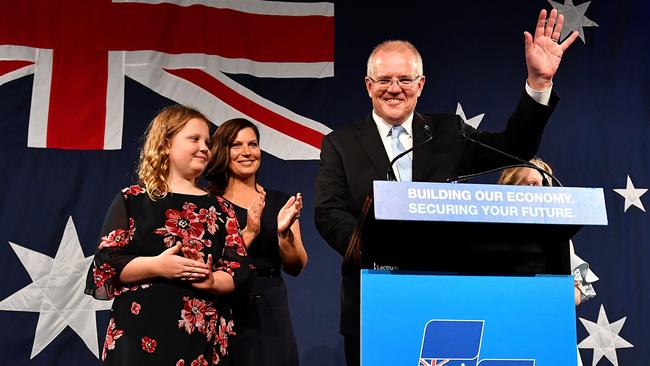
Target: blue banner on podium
<point x="424" y="201"/>
<point x="426" y="320"/>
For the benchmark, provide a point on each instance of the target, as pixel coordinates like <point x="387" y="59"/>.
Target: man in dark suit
<point x="354" y="156"/>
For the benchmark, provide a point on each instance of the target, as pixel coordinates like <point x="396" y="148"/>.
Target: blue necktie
<point x="404" y="163"/>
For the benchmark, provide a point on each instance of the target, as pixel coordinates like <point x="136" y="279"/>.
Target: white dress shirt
<point x="406" y="139"/>
<point x="384" y="128"/>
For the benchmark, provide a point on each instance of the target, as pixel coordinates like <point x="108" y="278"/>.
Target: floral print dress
<point x="161" y="321"/>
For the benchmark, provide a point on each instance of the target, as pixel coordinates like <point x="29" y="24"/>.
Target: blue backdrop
<point x="599" y="136"/>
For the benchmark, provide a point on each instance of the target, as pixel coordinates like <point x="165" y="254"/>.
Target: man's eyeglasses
<point x="403" y="82"/>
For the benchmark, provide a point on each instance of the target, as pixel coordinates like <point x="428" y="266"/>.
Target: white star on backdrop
<point x="632" y="195"/>
<point x="57" y="292"/>
<point x="574" y="18"/>
<point x="474" y="121"/>
<point x="603" y="337"/>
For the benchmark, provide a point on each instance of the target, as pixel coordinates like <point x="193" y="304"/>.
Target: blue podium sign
<point x="423" y="201"/>
<point x="425" y="320"/>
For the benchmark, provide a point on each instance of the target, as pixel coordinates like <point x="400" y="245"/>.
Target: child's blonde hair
<point x="154" y="157"/>
<point x="508" y="175"/>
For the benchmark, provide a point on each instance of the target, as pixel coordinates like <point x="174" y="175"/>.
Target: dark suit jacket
<point x="353" y="156"/>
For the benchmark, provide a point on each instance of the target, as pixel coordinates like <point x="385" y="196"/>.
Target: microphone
<point x="390" y="175"/>
<point x="522" y="163"/>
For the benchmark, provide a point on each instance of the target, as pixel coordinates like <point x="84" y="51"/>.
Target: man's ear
<point x="421" y="84"/>
<point x="368" y="86"/>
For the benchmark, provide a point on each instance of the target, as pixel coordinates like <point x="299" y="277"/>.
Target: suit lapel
<point x="424" y="154"/>
<point x="371" y="142"/>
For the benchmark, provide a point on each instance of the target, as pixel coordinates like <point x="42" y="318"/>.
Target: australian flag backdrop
<point x="80" y="80"/>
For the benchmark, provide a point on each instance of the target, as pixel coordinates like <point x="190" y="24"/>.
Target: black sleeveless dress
<point x="263" y="324"/>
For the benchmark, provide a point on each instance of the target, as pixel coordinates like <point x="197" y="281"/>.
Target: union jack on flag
<point x="433" y="362"/>
<point x="80" y="52"/>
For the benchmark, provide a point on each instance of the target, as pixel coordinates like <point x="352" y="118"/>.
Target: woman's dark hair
<point x="217" y="172"/>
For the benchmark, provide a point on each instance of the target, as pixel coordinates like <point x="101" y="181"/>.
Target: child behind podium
<point x="522" y="176"/>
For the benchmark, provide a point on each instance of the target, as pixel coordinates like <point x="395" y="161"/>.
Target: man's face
<point x="394" y="102"/>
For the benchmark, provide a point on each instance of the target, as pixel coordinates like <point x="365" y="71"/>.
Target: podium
<point x="471" y="274"/>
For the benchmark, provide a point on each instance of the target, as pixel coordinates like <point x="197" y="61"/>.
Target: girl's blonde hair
<point x="153" y="169"/>
<point x="508" y="175"/>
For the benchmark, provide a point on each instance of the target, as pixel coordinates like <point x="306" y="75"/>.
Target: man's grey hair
<point x="394" y="45"/>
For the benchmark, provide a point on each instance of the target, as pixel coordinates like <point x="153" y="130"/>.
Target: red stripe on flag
<point x="250" y="108"/>
<point x="9" y="66"/>
<point x="223" y="32"/>
<point x="102" y="25"/>
<point x="77" y="112"/>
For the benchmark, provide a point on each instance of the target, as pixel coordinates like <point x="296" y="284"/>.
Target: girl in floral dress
<point x="168" y="252"/>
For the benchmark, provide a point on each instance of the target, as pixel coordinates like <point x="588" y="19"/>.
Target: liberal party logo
<point x="458" y="343"/>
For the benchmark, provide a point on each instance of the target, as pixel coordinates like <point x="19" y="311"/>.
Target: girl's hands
<point x="169" y="264"/>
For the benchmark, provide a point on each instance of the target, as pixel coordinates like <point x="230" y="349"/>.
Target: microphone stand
<point x="522" y="163"/>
